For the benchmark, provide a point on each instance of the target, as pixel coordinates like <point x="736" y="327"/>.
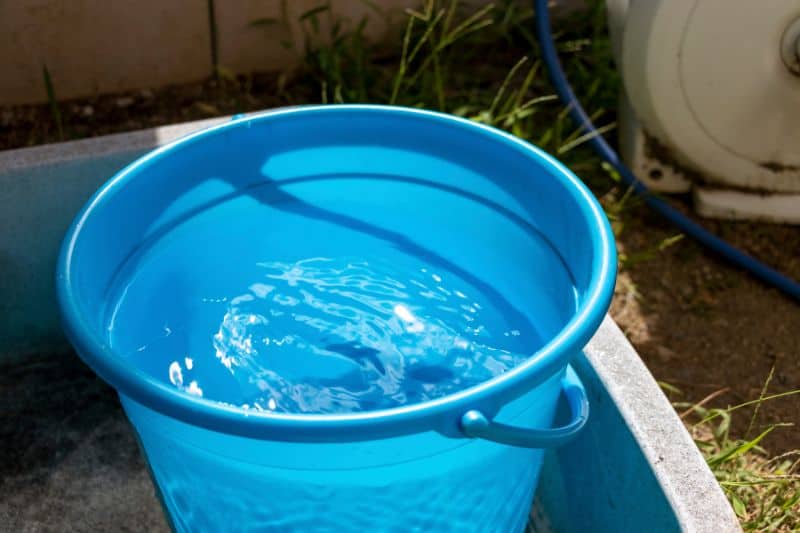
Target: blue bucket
<point x="467" y="195"/>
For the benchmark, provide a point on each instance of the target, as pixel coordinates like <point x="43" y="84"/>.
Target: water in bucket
<point x="342" y="260"/>
<point x="271" y="303"/>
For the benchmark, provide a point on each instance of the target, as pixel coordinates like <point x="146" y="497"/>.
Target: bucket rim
<point x="440" y="414"/>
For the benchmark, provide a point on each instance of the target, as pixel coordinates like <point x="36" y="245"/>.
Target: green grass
<point x="439" y="61"/>
<point x="764" y="491"/>
<point x="475" y="62"/>
<point x="212" y="37"/>
<point x="482" y="63"/>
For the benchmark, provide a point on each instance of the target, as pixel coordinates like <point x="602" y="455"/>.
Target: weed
<point x="648" y="254"/>
<point x="212" y="35"/>
<point x="764" y="491"/>
<point x="55" y="110"/>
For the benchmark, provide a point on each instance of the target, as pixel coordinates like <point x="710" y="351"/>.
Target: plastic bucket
<point x="458" y="190"/>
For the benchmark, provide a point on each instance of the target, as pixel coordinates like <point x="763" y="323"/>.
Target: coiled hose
<point x="719" y="246"/>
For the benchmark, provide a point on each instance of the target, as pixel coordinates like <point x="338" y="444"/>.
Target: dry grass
<point x="764" y="491"/>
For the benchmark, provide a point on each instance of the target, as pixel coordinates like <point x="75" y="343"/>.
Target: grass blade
<point x="55" y="110"/>
<point x="314" y="11"/>
<point x="760" y="397"/>
<point x="503" y="86"/>
<point x="745" y="404"/>
<point x="737" y="449"/>
<point x="586" y="137"/>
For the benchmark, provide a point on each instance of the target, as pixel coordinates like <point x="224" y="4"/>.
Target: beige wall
<point x="243" y="47"/>
<point x="105" y="46"/>
<point x="97" y="46"/>
<point x="92" y="46"/>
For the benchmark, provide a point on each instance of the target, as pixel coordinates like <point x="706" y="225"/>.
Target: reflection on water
<point x="345" y="334"/>
<point x="269" y="302"/>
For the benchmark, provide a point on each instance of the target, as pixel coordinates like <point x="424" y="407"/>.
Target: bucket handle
<point x="475" y="424"/>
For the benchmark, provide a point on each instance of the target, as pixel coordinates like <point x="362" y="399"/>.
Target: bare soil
<point x="28" y="125"/>
<point x="704" y="326"/>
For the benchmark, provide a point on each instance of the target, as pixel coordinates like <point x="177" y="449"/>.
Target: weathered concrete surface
<point x="69" y="460"/>
<point x="41" y="190"/>
<point x="92" y="46"/>
<point x="653" y="425"/>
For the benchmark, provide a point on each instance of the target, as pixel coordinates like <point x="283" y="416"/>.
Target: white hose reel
<point x="712" y="101"/>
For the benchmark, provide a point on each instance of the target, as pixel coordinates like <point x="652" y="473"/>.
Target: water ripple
<point x="338" y="335"/>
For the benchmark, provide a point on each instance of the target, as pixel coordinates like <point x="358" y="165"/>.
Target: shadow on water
<point x="272" y="193"/>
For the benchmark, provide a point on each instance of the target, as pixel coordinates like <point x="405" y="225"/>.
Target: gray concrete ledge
<point x="41" y="190"/>
<point x="687" y="482"/>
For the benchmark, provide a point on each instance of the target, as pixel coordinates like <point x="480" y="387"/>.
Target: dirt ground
<point x="703" y="326"/>
<point x="28" y="125"/>
<point x="699" y="324"/>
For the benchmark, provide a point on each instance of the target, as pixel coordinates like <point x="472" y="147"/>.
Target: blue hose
<point x="722" y="248"/>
